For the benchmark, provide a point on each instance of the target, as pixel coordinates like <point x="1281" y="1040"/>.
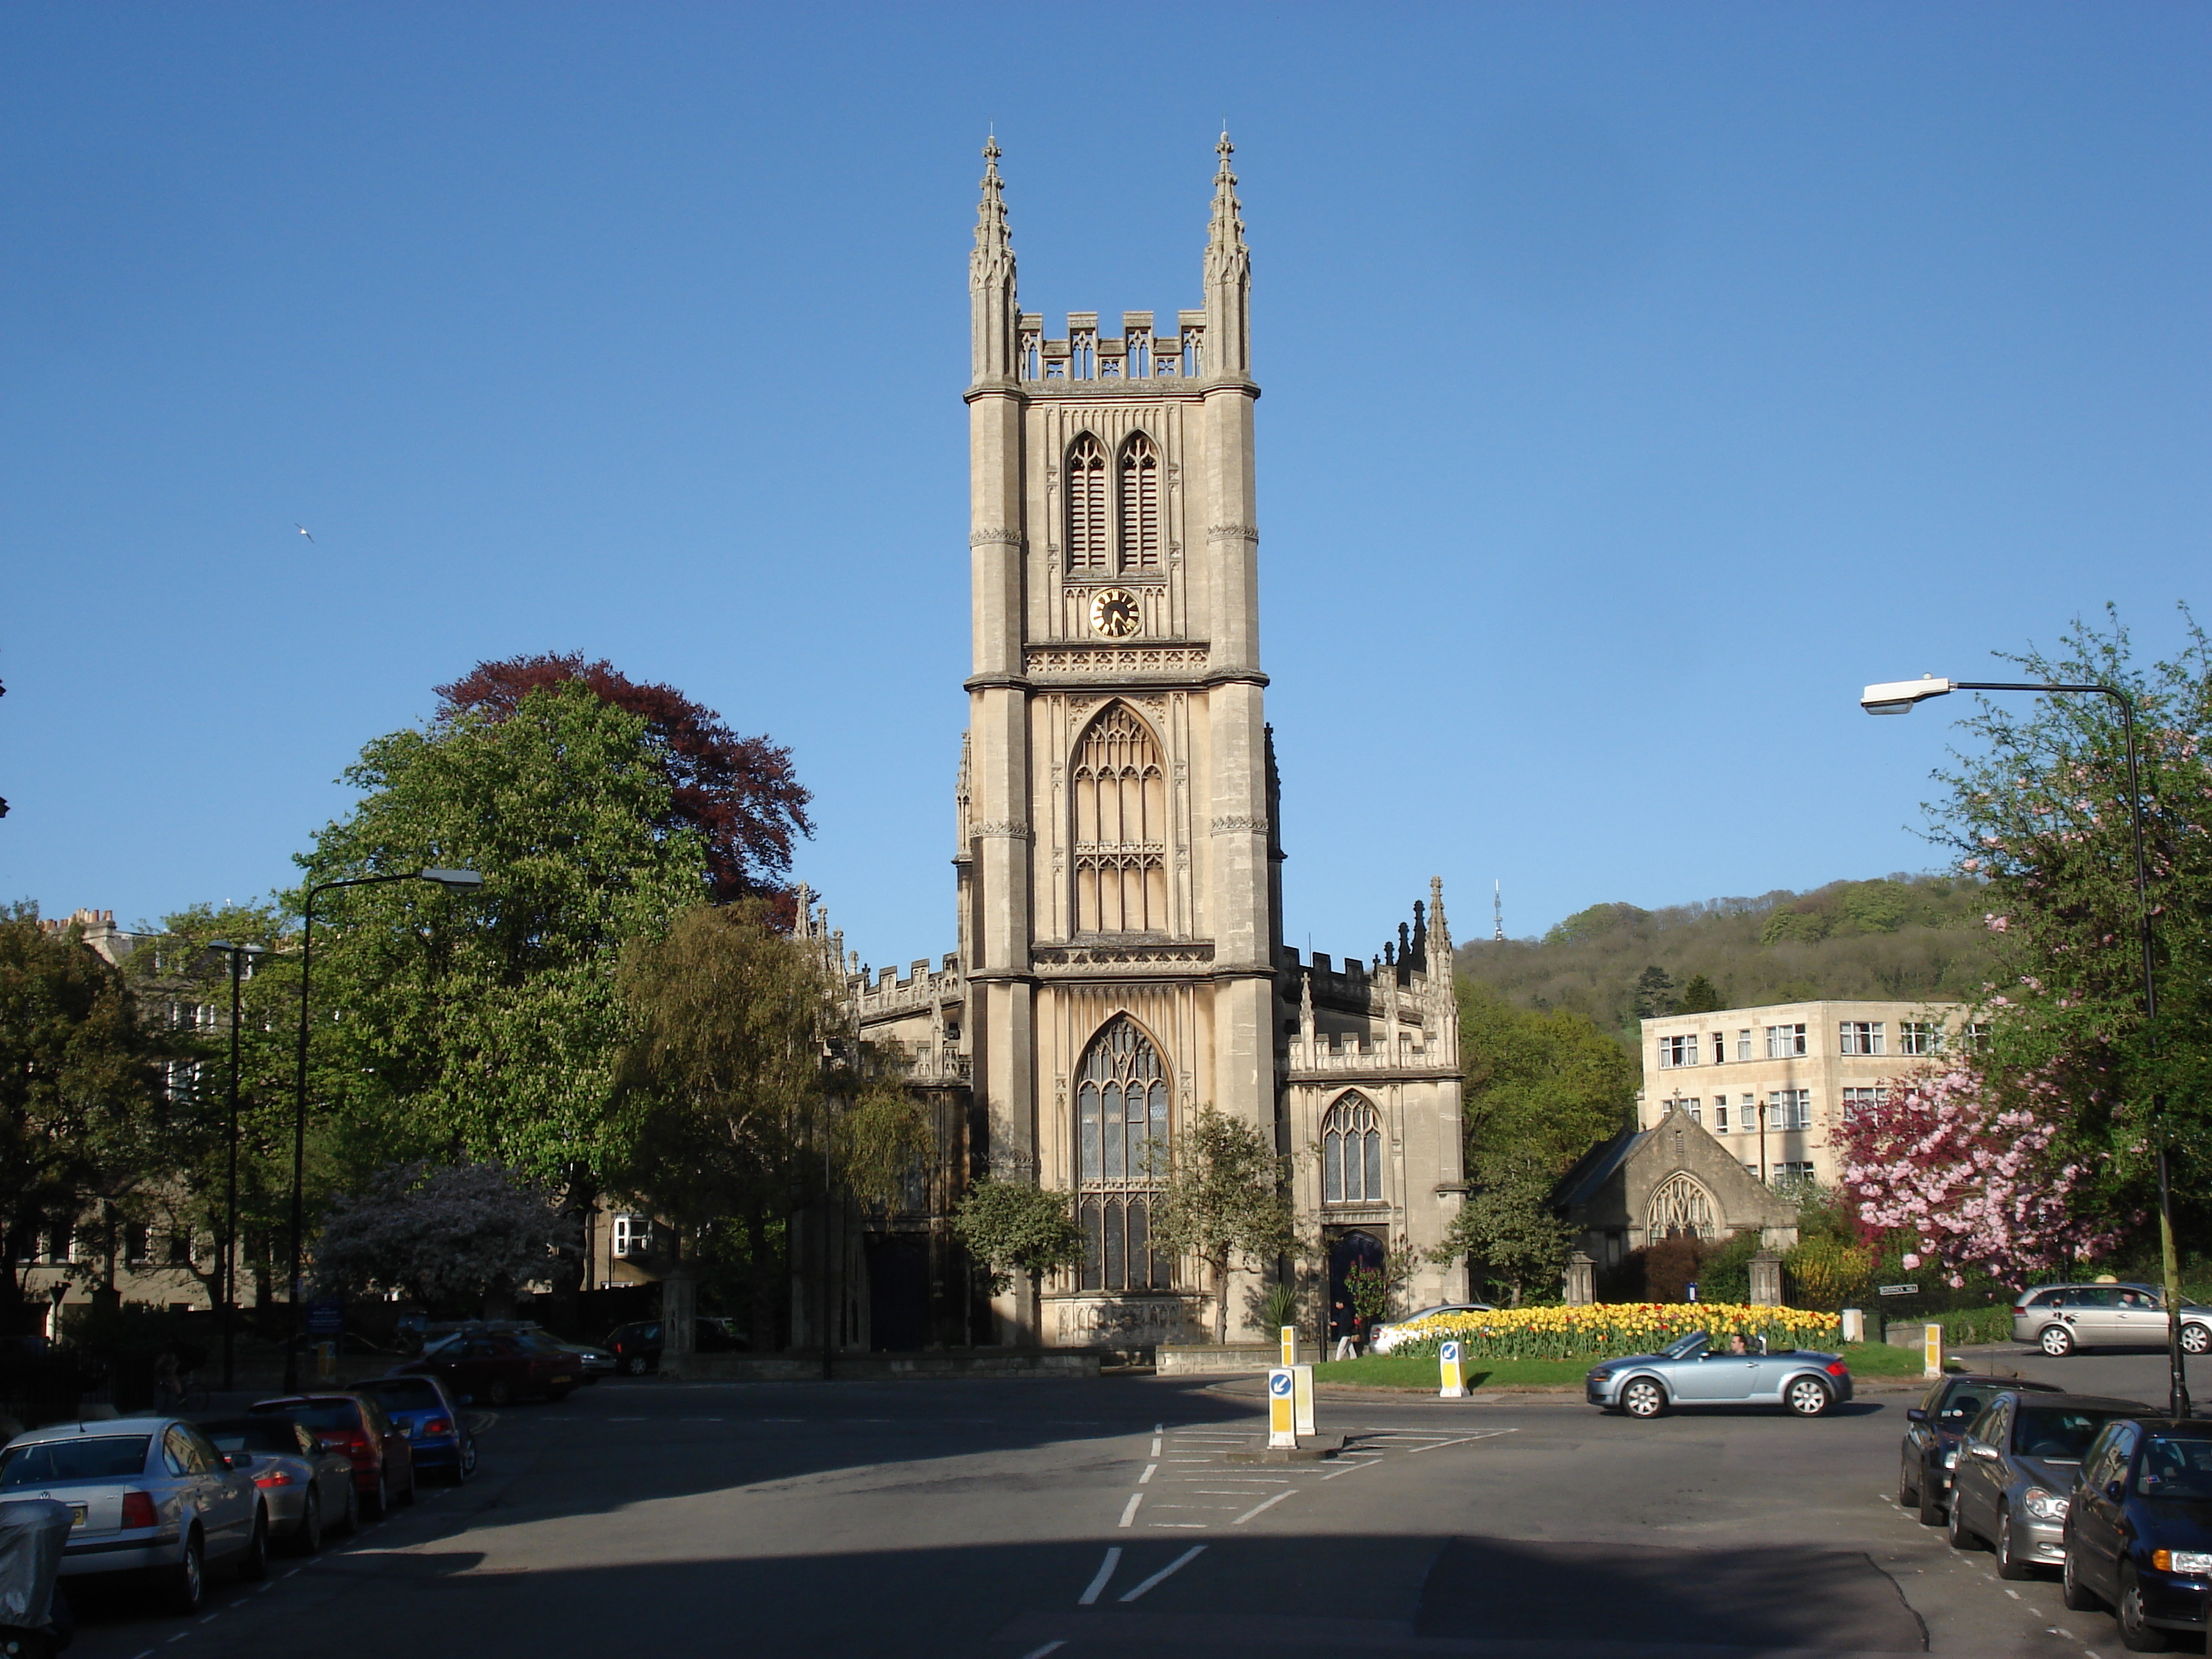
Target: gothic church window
<point x="1140" y="505"/>
<point x="1086" y="505"/>
<point x="1121" y="1136"/>
<point x="1681" y="1208"/>
<point x="1351" y="1153"/>
<point x="1120" y="796"/>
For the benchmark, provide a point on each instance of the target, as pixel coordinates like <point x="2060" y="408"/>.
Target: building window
<point x="1720" y="1050"/>
<point x="633" y="1236"/>
<point x="137" y="1243"/>
<point x="1696" y="1109"/>
<point x="1121" y="1134"/>
<point x="1790" y="1109"/>
<point x="61" y="1242"/>
<point x="1743" y="1045"/>
<point x="1862" y="1036"/>
<point x="1790" y="1174"/>
<point x="1784" y="1041"/>
<point x="1351" y="1152"/>
<point x="1140" y="505"/>
<point x="1120" y="800"/>
<point x="180" y="1249"/>
<point x="1977" y="1036"/>
<point x="1086" y="505"/>
<point x="1677" y="1051"/>
<point x="1681" y="1208"/>
<point x="1858" y="1100"/>
<point x="1720" y="1115"/>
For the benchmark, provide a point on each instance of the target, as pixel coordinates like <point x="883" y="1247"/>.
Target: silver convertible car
<point x="1691" y="1371"/>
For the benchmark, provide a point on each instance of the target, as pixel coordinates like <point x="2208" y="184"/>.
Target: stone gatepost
<point x="1766" y="1280"/>
<point x="678" y="1306"/>
<point x="1582" y="1280"/>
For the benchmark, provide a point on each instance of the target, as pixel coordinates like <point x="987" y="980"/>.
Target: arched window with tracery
<point x="1118" y="792"/>
<point x="1121" y="1142"/>
<point x="1140" y="505"/>
<point x="1351" y="1152"/>
<point x="1681" y="1208"/>
<point x="1087" y="548"/>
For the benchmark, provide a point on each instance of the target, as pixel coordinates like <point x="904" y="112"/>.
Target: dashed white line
<point x="1465" y="1439"/>
<point x="1105" y="1574"/>
<point x="1172" y="1567"/>
<point x="1039" y="1653"/>
<point x="1257" y="1507"/>
<point x="1147" y="1474"/>
<point x="1129" y="1515"/>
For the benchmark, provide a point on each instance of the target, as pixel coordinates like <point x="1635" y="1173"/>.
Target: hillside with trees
<point x="1896" y="937"/>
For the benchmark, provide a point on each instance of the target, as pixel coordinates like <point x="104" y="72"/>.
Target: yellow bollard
<point x="1931" y="1351"/>
<point x="1454" y="1372"/>
<point x="1282" y="1408"/>
<point x="1289" y="1344"/>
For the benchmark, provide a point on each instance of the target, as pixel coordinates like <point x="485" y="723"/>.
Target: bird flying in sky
<point x="302" y="529"/>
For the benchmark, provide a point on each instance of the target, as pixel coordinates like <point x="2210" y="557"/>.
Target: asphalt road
<point x="1013" y="1520"/>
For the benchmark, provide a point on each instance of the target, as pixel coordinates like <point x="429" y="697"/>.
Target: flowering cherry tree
<point x="1973" y="1183"/>
<point x="447" y="1238"/>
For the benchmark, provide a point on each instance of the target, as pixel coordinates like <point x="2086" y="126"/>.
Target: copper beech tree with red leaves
<point x="740" y="794"/>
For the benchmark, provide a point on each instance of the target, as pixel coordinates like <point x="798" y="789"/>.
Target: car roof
<point x="2194" y="1428"/>
<point x="2018" y="1385"/>
<point x="2094" y="1402"/>
<point x="286" y="1401"/>
<point x="94" y="1429"/>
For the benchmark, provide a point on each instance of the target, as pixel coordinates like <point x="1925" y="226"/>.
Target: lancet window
<point x="1120" y="799"/>
<point x="1122" y="1139"/>
<point x="1681" y="1208"/>
<point x="1140" y="504"/>
<point x="1351" y="1152"/>
<point x="1087" y="547"/>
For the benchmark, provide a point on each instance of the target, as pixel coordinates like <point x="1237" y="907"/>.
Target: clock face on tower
<point x="1115" y="613"/>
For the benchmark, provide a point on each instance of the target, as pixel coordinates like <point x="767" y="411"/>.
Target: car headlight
<point x="2192" y="1561"/>
<point x="1951" y="1458"/>
<point x="1603" y="1373"/>
<point x="2043" y="1505"/>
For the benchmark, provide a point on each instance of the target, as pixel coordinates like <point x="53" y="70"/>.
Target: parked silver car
<point x="2060" y="1318"/>
<point x="306" y="1488"/>
<point x="149" y="1494"/>
<point x="1692" y="1372"/>
<point x="2014" y="1471"/>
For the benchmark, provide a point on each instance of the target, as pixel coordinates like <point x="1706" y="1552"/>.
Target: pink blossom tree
<point x="449" y="1237"/>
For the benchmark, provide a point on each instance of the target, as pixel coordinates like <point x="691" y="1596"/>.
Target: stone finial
<point x="1228" y="276"/>
<point x="1306" y="1035"/>
<point x="991" y="277"/>
<point x="1439" y="934"/>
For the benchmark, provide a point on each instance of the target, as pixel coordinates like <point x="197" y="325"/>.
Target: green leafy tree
<point x="1655" y="993"/>
<point x="1223" y="1200"/>
<point x="1014" y="1226"/>
<point x="2041" y="811"/>
<point x="1542" y="1086"/>
<point x="1699" y="996"/>
<point x="488" y="1027"/>
<point x="79" y="1086"/>
<point x="1507" y="1232"/>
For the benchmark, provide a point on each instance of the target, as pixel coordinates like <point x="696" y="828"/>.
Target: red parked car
<point x="383" y="1463"/>
<point x="493" y="1368"/>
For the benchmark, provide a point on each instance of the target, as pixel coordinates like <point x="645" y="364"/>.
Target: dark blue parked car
<point x="436" y="1431"/>
<point x="2139" y="1529"/>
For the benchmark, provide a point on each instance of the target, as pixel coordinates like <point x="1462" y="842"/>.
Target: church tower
<point x="1119" y="906"/>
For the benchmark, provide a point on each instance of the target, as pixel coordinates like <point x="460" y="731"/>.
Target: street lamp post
<point x="1900" y="697"/>
<point x="227" y="1275"/>
<point x="454" y="881"/>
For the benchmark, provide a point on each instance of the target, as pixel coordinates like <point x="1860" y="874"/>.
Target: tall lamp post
<point x="227" y="1277"/>
<point x="454" y="881"/>
<point x="1900" y="697"/>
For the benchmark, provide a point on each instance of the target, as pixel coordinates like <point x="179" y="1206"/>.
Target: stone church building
<point x="1118" y="852"/>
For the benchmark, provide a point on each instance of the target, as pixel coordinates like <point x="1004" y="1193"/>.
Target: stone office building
<point x="1118" y="846"/>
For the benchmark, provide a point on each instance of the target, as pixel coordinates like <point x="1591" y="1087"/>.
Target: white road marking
<point x="1156" y="1445"/>
<point x="1147" y="1474"/>
<point x="1176" y="1526"/>
<point x="1129" y="1514"/>
<point x="1039" y="1653"/>
<point x="1105" y="1574"/>
<point x="1257" y="1507"/>
<point x="1352" y="1468"/>
<point x="1172" y="1567"/>
<point x="1465" y="1439"/>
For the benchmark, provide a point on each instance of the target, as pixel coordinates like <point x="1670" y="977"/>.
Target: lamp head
<point x="1897" y="696"/>
<point x="454" y="881"/>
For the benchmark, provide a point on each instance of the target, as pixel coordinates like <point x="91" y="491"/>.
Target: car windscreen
<point x="267" y="1434"/>
<point x="1687" y="1347"/>
<point x="405" y="1393"/>
<point x="324" y="1416"/>
<point x="89" y="1457"/>
<point x="2175" y="1466"/>
<point x="2061" y="1433"/>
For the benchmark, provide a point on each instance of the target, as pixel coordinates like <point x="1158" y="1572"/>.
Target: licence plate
<point x="561" y="1382"/>
<point x="76" y="1515"/>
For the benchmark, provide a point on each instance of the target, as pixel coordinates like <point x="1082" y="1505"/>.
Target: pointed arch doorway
<point x="1353" y="1247"/>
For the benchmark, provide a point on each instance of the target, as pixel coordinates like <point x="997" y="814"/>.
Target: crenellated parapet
<point x="1139" y="353"/>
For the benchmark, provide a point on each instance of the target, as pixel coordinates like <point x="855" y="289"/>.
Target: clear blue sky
<point x="1640" y="380"/>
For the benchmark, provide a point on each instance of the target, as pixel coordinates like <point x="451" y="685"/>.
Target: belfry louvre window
<point x="1122" y="1136"/>
<point x="1086" y="505"/>
<point x="1119" y="793"/>
<point x="1140" y="505"/>
<point x="1351" y="1153"/>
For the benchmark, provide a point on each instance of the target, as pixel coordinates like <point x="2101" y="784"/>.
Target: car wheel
<point x="310" y="1538"/>
<point x="2196" y="1338"/>
<point x="1931" y="1501"/>
<point x="254" y="1566"/>
<point x="1807" y="1397"/>
<point x="1962" y="1536"/>
<point x="2009" y="1566"/>
<point x="349" y="1522"/>
<point x="407" y="1492"/>
<point x="1908" y="1489"/>
<point x="633" y="1364"/>
<point x="379" y="1503"/>
<point x="2057" y="1341"/>
<point x="497" y="1393"/>
<point x="1644" y="1398"/>
<point x="466" y="1464"/>
<point x="186" y="1583"/>
<point x="2077" y="1595"/>
<point x="2138" y="1634"/>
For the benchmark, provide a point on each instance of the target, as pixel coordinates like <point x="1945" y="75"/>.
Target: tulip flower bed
<point x="1609" y="1330"/>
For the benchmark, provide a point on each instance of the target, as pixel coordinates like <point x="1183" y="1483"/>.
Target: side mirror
<point x="1986" y="1452"/>
<point x="237" y="1461"/>
<point x="1915" y="1415"/>
<point x="2113" y="1489"/>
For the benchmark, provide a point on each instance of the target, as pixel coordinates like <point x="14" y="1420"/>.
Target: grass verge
<point x="1386" y="1370"/>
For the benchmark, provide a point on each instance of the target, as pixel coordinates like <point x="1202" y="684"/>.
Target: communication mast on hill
<point x="1498" y="911"/>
